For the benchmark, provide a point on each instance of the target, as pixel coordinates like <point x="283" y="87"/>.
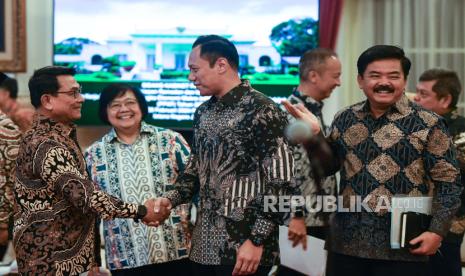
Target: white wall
<point x="39" y="41"/>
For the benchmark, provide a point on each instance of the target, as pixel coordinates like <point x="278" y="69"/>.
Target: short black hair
<point x="213" y="47"/>
<point x="447" y="83"/>
<point x="114" y="91"/>
<point x="44" y="81"/>
<point x="10" y="85"/>
<point x="3" y="77"/>
<point x="381" y="52"/>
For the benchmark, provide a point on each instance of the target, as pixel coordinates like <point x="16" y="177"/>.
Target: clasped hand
<point x="158" y="210"/>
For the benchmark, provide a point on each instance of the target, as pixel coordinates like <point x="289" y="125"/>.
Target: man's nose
<point x="80" y="98"/>
<point x="191" y="77"/>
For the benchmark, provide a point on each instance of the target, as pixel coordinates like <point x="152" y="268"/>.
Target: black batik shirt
<point x="405" y="151"/>
<point x="239" y="155"/>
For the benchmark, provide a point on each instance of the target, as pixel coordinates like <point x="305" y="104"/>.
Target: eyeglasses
<point x="75" y="93"/>
<point x="116" y="106"/>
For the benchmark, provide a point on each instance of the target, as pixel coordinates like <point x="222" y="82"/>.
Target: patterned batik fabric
<point x="405" y="151"/>
<point x="239" y="155"/>
<point x="9" y="143"/>
<point x="456" y="124"/>
<point x="303" y="170"/>
<point x="56" y="203"/>
<point x="144" y="170"/>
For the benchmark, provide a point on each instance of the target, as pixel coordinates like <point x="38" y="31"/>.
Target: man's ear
<point x="46" y="101"/>
<point x="359" y="81"/>
<point x="312" y="75"/>
<point x="5" y="92"/>
<point x="445" y="101"/>
<point x="222" y="64"/>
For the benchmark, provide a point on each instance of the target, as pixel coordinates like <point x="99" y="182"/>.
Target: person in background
<point x="319" y="74"/>
<point x="9" y="92"/>
<point x="239" y="157"/>
<point x="384" y="146"/>
<point x="134" y="162"/>
<point x="56" y="202"/>
<point x="438" y="90"/>
<point x="9" y="143"/>
<point x="19" y="114"/>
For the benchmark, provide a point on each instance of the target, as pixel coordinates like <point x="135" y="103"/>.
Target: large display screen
<point x="146" y="43"/>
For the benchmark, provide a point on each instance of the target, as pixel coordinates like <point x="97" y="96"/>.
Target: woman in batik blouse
<point x="136" y="161"/>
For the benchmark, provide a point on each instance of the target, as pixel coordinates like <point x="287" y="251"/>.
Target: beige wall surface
<point x="39" y="28"/>
<point x="39" y="17"/>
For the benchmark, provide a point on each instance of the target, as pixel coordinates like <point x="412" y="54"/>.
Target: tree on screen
<point x="294" y="37"/>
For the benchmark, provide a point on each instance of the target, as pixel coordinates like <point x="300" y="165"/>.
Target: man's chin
<point x="205" y="93"/>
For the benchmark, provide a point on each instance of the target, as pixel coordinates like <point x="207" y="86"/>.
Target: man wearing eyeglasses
<point x="438" y="90"/>
<point x="57" y="204"/>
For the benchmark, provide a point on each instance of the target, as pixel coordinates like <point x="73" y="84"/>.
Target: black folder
<point x="412" y="225"/>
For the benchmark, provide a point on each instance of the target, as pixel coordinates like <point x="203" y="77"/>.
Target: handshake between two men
<point x="158" y="210"/>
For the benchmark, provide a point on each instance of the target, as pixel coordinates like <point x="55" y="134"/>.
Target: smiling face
<point x="328" y="78"/>
<point x="124" y="112"/>
<point x="64" y="106"/>
<point x="383" y="83"/>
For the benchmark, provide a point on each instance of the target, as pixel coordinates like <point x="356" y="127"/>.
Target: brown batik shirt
<point x="57" y="204"/>
<point x="9" y="140"/>
<point x="406" y="151"/>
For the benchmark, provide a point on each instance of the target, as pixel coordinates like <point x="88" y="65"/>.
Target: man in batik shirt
<point x="239" y="156"/>
<point x="9" y="141"/>
<point x="385" y="146"/>
<point x="56" y="203"/>
<point x="439" y="90"/>
<point x="20" y="115"/>
<point x="319" y="75"/>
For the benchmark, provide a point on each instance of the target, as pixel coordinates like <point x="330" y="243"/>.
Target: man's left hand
<point x="248" y="259"/>
<point x="298" y="232"/>
<point x="429" y="243"/>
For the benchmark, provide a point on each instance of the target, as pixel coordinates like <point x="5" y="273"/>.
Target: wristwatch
<point x="141" y="212"/>
<point x="257" y="240"/>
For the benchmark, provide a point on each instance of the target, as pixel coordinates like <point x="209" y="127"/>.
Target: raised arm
<point x="323" y="159"/>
